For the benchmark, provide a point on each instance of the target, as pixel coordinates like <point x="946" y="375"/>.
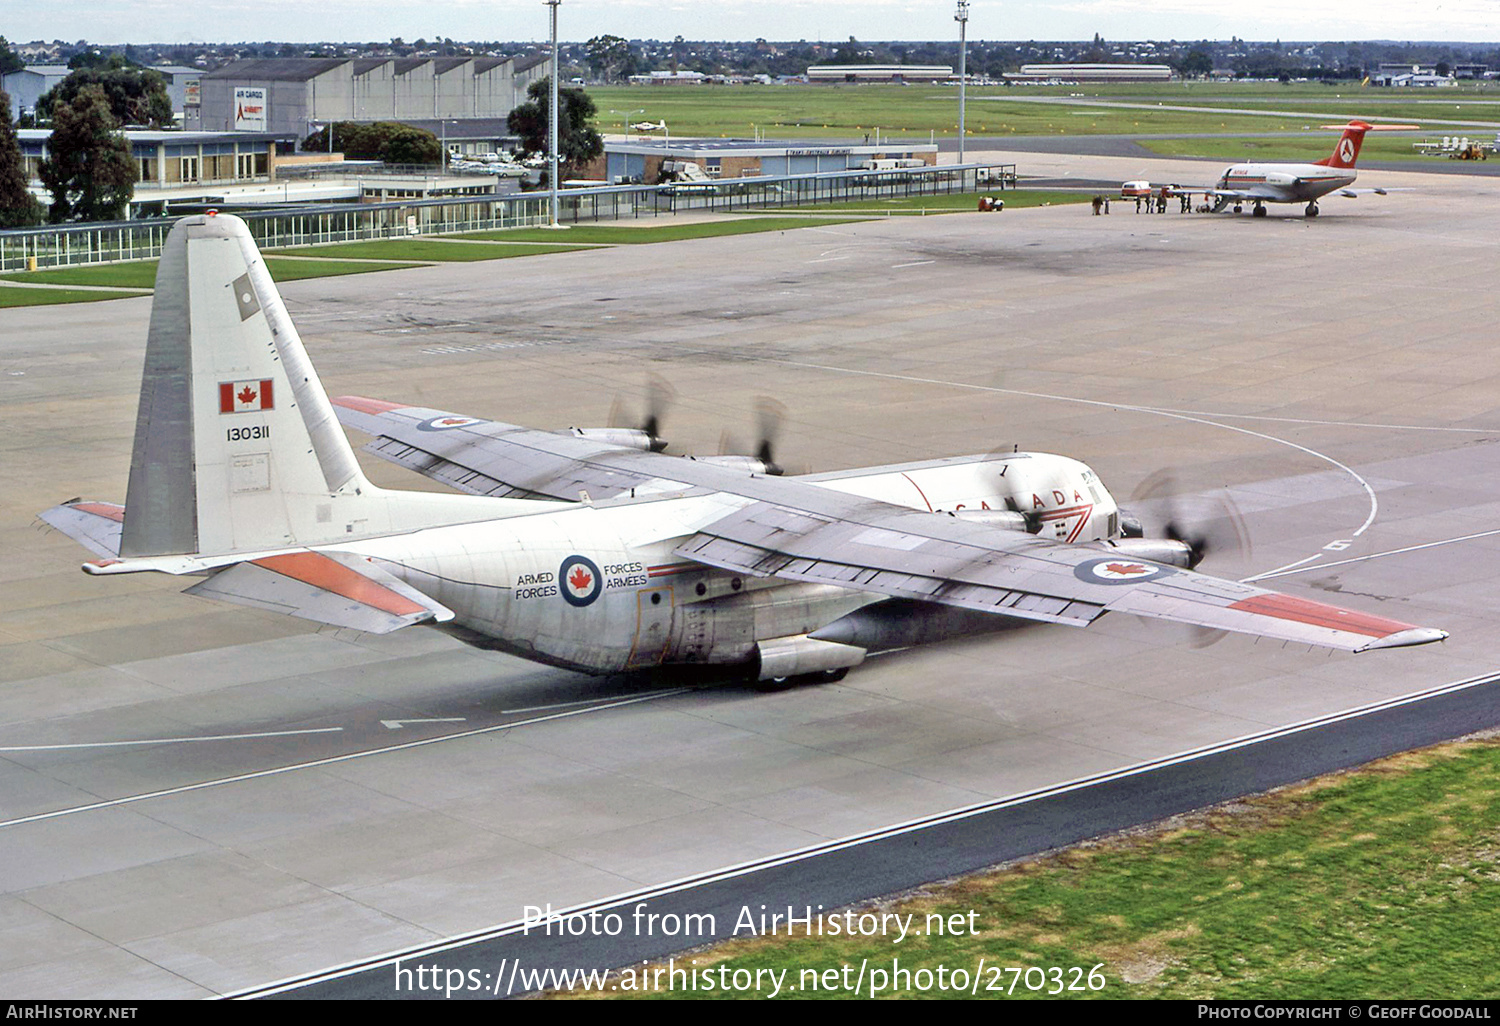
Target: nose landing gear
<point x="1312" y="210"/>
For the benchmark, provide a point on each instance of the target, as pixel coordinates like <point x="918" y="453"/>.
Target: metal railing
<point x="63" y="246"/>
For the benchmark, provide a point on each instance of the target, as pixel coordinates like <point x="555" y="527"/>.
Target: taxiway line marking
<point x="914" y="263"/>
<point x="854" y="840"/>
<point x="1287" y="572"/>
<point x="398" y="724"/>
<point x="330" y="761"/>
<point x="1280" y="569"/>
<point x="1370" y="492"/>
<point x="169" y="740"/>
<point x="583" y="701"/>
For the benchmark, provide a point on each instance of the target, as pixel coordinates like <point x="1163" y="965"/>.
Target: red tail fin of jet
<point x="1347" y="151"/>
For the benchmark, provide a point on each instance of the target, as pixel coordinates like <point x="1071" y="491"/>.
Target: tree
<point x="89" y="169"/>
<point x="577" y="142"/>
<point x="9" y="59"/>
<point x="18" y="207"/>
<point x="136" y="95"/>
<point x="1197" y="63"/>
<point x="390" y="141"/>
<point x="607" y="55"/>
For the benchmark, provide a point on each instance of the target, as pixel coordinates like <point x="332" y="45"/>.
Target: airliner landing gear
<point x="1239" y="208"/>
<point x="1259" y="211"/>
<point x="1312" y="210"/>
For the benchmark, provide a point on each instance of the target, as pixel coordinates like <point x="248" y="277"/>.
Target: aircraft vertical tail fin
<point x="236" y="445"/>
<point x="1346" y="152"/>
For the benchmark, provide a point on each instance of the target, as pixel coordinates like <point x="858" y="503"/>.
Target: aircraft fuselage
<point x="1286" y="183"/>
<point x="599" y="587"/>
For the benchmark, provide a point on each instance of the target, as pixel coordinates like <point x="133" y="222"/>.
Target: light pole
<point x="625" y="116"/>
<point x="552" y="119"/>
<point x="962" y="17"/>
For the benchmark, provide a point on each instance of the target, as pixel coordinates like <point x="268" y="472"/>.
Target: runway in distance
<point x="590" y="548"/>
<point x="1262" y="183"/>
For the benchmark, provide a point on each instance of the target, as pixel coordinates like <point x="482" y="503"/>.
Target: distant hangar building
<point x="1091" y="73"/>
<point x="300" y="95"/>
<point x="827" y="73"/>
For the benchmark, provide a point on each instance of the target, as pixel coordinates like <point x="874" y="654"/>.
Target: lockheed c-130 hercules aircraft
<point x="1262" y="183"/>
<point x="592" y="549"/>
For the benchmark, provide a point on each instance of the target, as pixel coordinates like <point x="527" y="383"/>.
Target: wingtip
<point x="1407" y="638"/>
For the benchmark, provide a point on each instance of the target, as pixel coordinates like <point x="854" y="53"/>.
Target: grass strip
<point x="1378" y="882"/>
<point x="953" y="203"/>
<point x="419" y="249"/>
<point x="12" y="296"/>
<point x="141" y="274"/>
<point x="609" y="234"/>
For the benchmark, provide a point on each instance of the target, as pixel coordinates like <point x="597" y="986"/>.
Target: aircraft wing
<point x="798" y="530"/>
<point x="488" y="457"/>
<point x="934" y="558"/>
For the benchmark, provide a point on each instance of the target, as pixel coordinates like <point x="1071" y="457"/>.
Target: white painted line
<point x="398" y="724"/>
<point x="169" y="740"/>
<point x="581" y="701"/>
<point x="1336" y="423"/>
<point x="332" y="760"/>
<point x="854" y="840"/>
<point x="914" y="263"/>
<point x="1281" y="569"/>
<point x="1155" y="411"/>
<point x="1286" y="572"/>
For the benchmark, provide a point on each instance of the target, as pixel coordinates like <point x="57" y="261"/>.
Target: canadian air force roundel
<point x="579" y="580"/>
<point x="447" y="423"/>
<point x="1120" y="571"/>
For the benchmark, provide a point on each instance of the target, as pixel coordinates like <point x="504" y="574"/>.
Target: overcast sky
<point x="112" y="21"/>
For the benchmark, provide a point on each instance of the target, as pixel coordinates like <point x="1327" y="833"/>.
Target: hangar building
<point x="299" y="95"/>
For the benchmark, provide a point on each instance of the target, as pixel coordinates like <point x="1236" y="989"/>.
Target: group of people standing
<point x="1155" y="204"/>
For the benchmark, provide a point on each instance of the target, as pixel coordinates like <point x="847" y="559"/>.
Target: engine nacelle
<point x="1280" y="178"/>
<point x="791" y="657"/>
<point x="749" y="464"/>
<point x="625" y="438"/>
<point x="1002" y="518"/>
<point x="1155" y="550"/>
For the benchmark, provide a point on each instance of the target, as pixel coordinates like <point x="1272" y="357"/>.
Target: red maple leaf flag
<point x="1127" y="569"/>
<point x="245" y="396"/>
<point x="580" y="578"/>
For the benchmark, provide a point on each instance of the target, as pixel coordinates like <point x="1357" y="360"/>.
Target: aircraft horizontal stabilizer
<point x="335" y="588"/>
<point x="94" y="525"/>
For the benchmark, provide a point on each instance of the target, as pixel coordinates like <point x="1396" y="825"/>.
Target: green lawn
<point x="663" y="231"/>
<point x="1383" y="882"/>
<point x="1015" y="199"/>
<point x="47" y="297"/>
<point x="913" y="113"/>
<point x="421" y="249"/>
<point x="1293" y="148"/>
<point x="141" y="274"/>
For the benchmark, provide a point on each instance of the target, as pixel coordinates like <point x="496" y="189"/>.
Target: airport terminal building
<point x="300" y="95"/>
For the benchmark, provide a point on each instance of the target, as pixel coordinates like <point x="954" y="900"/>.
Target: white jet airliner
<point x="1259" y="184"/>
